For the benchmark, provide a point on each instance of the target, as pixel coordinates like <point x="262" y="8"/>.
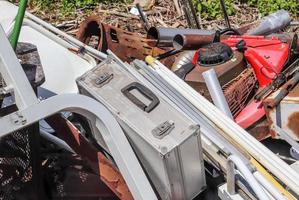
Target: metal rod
<point x="223" y="7"/>
<point x="167" y="54"/>
<point x="18" y="24"/>
<point x="143" y="18"/>
<point x="14" y="75"/>
<point x="216" y="92"/>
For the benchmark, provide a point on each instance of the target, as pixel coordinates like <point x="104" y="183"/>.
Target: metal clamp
<point x="163" y="129"/>
<point x="103" y="79"/>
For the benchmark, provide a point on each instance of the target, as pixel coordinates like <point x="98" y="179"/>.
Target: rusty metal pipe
<point x="191" y="41"/>
<point x="163" y="37"/>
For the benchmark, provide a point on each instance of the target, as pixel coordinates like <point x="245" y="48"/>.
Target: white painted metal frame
<point x="103" y="123"/>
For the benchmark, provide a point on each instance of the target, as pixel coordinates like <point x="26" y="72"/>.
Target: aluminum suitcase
<point x="166" y="142"/>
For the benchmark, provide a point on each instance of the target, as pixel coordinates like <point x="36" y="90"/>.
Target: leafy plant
<point x="266" y="7"/>
<point x="68" y="6"/>
<point x="211" y="9"/>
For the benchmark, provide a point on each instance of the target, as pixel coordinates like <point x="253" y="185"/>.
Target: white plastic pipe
<point x="268" y="186"/>
<point x="231" y="131"/>
<point x="256" y="187"/>
<point x="216" y="92"/>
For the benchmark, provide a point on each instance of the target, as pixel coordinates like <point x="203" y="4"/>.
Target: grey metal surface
<point x="105" y="128"/>
<point x="104" y="125"/>
<point x="14" y="75"/>
<point x="174" y="161"/>
<point x="224" y="194"/>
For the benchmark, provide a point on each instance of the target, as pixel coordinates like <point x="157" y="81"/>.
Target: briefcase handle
<point x="145" y="92"/>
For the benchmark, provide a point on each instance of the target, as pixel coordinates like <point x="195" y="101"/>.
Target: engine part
<point x="271" y="23"/>
<point x="267" y="56"/>
<point x="214" y="54"/>
<point x="126" y="45"/>
<point x="163" y="37"/>
<point x="183" y="58"/>
<point x="237" y="81"/>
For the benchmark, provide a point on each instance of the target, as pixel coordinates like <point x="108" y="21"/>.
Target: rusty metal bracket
<point x="126" y="45"/>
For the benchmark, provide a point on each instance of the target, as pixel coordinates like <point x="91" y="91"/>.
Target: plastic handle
<point x="145" y="92"/>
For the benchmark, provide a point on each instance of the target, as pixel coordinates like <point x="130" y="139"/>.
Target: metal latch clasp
<point x="163" y="129"/>
<point x="103" y="79"/>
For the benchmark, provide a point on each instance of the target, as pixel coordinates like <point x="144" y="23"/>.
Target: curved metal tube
<point x="105" y="128"/>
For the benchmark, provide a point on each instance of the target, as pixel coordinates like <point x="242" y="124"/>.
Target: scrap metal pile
<point x="173" y="114"/>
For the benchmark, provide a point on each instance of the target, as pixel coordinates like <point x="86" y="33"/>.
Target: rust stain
<point x="107" y="172"/>
<point x="126" y="45"/>
<point x="293" y="123"/>
<point x="294" y="92"/>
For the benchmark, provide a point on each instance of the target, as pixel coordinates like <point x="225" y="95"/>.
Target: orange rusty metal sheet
<point x="108" y="173"/>
<point x="126" y="45"/>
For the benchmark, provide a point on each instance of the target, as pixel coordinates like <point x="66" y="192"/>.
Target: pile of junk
<point x="173" y="114"/>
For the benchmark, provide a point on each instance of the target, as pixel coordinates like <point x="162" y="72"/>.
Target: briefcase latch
<point x="163" y="129"/>
<point x="103" y="79"/>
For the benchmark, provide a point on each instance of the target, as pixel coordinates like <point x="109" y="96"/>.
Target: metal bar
<point x="18" y="24"/>
<point x="143" y="18"/>
<point x="231" y="178"/>
<point x="14" y="75"/>
<point x="106" y="128"/>
<point x="223" y="7"/>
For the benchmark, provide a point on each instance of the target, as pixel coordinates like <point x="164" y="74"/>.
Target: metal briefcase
<point x="165" y="141"/>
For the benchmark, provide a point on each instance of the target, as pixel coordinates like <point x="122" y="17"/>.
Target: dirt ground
<point x="163" y="13"/>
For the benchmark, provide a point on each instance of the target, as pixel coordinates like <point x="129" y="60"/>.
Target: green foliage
<point x="266" y="7"/>
<point x="67" y="6"/>
<point x="211" y="9"/>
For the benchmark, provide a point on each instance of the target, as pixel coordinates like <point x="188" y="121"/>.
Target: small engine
<point x="236" y="79"/>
